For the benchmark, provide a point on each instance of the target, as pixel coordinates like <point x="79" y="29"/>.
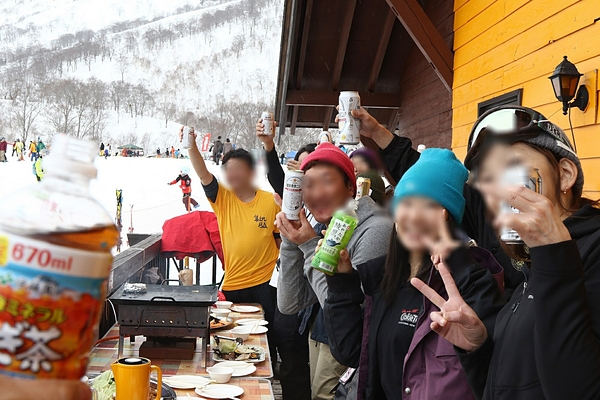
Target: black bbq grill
<point x="166" y="312"/>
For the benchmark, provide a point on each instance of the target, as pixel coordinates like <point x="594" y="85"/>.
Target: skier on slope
<point x="185" y="183"/>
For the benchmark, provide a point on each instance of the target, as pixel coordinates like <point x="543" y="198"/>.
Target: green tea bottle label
<point x="336" y="239"/>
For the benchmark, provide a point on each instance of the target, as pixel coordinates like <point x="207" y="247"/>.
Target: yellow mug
<point x="132" y="377"/>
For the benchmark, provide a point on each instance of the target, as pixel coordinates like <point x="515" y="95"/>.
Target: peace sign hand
<point x="456" y="321"/>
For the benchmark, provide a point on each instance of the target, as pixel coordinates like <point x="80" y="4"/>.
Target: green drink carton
<point x="336" y="239"/>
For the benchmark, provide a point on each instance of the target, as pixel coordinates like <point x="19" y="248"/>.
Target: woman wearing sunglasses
<point x="546" y="341"/>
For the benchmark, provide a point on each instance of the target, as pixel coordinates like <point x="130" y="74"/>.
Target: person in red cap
<point x="328" y="185"/>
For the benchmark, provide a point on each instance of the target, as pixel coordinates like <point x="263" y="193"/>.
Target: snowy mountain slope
<point x="193" y="55"/>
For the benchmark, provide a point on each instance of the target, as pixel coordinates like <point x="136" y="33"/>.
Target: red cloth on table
<point x="195" y="234"/>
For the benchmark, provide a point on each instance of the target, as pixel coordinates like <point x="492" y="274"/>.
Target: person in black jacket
<point x="292" y="330"/>
<point x="546" y="344"/>
<point x="398" y="155"/>
<point x="405" y="358"/>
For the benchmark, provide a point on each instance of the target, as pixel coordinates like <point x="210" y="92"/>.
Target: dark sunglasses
<point x="512" y="124"/>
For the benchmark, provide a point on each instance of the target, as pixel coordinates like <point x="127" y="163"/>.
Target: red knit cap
<point x="330" y="154"/>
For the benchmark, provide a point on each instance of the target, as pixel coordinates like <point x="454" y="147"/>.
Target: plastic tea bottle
<point x="336" y="239"/>
<point x="55" y="258"/>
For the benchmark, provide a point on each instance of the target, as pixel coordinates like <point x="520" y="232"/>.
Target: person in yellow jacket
<point x="19" y="147"/>
<point x="39" y="171"/>
<point x="32" y="151"/>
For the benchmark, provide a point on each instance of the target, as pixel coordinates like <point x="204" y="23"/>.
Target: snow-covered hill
<point x="188" y="60"/>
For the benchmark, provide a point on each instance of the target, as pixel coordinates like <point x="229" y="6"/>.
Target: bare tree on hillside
<point x="98" y="99"/>
<point x="60" y="112"/>
<point x="166" y="139"/>
<point x="238" y="45"/>
<point x="123" y="62"/>
<point x="25" y="109"/>
<point x="145" y="142"/>
<point x="129" y="138"/>
<point x="167" y="111"/>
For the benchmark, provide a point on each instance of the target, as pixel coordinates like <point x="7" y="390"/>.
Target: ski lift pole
<point x="118" y="221"/>
<point x="186" y="260"/>
<point x="131" y="219"/>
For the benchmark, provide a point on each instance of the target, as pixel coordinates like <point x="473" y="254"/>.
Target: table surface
<point x="105" y="353"/>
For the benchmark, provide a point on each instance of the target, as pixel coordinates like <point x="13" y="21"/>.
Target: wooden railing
<point x="134" y="260"/>
<point x="130" y="265"/>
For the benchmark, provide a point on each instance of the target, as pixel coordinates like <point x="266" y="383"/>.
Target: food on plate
<point x="233" y="350"/>
<point x="105" y="386"/>
<point x="218" y="323"/>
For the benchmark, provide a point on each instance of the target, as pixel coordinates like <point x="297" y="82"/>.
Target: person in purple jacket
<point x="400" y="356"/>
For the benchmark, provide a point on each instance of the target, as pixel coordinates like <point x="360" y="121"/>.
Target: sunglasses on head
<point x="512" y="124"/>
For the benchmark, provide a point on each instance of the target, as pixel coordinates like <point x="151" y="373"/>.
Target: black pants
<point x="266" y="296"/>
<point x="294" y="371"/>
<point x="187" y="200"/>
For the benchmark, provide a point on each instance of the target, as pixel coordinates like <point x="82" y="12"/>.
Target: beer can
<point x="268" y="122"/>
<point x="324" y="137"/>
<point x="518" y="176"/>
<point x="187" y="139"/>
<point x="349" y="126"/>
<point x="363" y="187"/>
<point x="291" y="204"/>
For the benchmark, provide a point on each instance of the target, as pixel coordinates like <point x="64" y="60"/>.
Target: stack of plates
<point x="185" y="381"/>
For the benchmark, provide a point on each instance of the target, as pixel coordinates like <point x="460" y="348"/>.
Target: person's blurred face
<point x="324" y="191"/>
<point x="360" y="165"/>
<point x="238" y="174"/>
<point x="416" y="219"/>
<point x="493" y="166"/>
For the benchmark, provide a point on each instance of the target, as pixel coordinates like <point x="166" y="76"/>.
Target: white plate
<point x="240" y="368"/>
<point x="251" y="321"/>
<point x="185" y="381"/>
<point x="245" y="309"/>
<point x="218" y="391"/>
<point x="259" y="330"/>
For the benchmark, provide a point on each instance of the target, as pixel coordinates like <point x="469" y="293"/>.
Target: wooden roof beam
<point x="303" y="43"/>
<point x="388" y="25"/>
<point x="340" y="55"/>
<point x="327" y="119"/>
<point x="427" y="38"/>
<point x="343" y="45"/>
<point x="330" y="99"/>
<point x="294" y="121"/>
<point x="393" y="122"/>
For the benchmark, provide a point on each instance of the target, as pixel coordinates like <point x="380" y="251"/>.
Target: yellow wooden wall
<point x="503" y="45"/>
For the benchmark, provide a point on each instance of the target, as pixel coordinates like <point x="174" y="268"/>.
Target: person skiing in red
<point x="185" y="183"/>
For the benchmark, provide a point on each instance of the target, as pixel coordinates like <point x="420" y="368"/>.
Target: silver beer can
<point x="291" y="204"/>
<point x="325" y="136"/>
<point x="269" y="122"/>
<point x="518" y="176"/>
<point x="187" y="139"/>
<point x="349" y="126"/>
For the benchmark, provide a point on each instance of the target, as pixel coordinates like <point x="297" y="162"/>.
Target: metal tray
<point x="197" y="296"/>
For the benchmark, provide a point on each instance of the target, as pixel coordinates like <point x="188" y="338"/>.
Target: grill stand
<point x="203" y="333"/>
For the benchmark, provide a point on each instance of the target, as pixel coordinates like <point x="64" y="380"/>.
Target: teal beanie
<point x="439" y="176"/>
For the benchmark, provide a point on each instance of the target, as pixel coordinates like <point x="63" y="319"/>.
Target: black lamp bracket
<point x="581" y="101"/>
